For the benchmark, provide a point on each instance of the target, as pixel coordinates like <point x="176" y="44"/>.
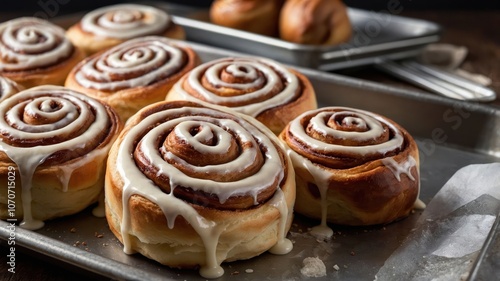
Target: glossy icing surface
<point x="125" y="21"/>
<point x="30" y="43"/>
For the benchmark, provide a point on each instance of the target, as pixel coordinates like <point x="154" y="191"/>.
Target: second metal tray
<point x="377" y="35"/>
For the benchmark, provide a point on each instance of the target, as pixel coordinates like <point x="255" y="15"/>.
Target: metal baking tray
<point x="377" y="35"/>
<point x="85" y="242"/>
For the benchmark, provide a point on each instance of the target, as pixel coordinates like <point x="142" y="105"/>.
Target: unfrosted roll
<point x="315" y="22"/>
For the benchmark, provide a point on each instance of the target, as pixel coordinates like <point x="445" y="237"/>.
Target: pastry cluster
<point x="199" y="163"/>
<point x="311" y="22"/>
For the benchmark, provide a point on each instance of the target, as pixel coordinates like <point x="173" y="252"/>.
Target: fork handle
<point x="437" y="81"/>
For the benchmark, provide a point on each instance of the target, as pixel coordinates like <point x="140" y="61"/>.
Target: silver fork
<point x="437" y="80"/>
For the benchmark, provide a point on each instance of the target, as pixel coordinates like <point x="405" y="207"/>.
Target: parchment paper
<point x="452" y="229"/>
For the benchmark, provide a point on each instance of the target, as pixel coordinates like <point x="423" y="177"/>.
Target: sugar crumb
<point x="313" y="267"/>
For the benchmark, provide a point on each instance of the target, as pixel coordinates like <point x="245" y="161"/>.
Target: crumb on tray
<point x="313" y="267"/>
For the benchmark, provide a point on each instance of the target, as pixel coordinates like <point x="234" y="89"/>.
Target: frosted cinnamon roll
<point x="133" y="74"/>
<point x="53" y="148"/>
<point x="261" y="88"/>
<point x="193" y="186"/>
<point x="318" y="22"/>
<point x="8" y="88"/>
<point x="353" y="167"/>
<point x="111" y="25"/>
<point x="36" y="52"/>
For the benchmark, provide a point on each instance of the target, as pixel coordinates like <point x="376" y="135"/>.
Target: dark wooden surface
<point x="477" y="30"/>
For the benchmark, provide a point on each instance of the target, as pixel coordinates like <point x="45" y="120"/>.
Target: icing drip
<point x="284" y="245"/>
<point x="255" y="89"/>
<point x="126" y="21"/>
<point x="138" y="62"/>
<point x="17" y="134"/>
<point x="400" y="168"/>
<point x="31" y="43"/>
<point x="210" y="123"/>
<point x="321" y="177"/>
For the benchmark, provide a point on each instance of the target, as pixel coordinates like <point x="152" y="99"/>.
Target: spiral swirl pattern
<point x="135" y="63"/>
<point x="53" y="121"/>
<point x="31" y="43"/>
<point x="339" y="137"/>
<point x="125" y="21"/>
<point x="202" y="155"/>
<point x="248" y="85"/>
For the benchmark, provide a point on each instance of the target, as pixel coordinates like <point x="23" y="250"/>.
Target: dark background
<point x="67" y="6"/>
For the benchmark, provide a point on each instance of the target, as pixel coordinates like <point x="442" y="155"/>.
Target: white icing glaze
<point x="218" y="123"/>
<point x="247" y="68"/>
<point x="372" y="121"/>
<point x="7" y="88"/>
<point x="126" y="21"/>
<point x="30" y="43"/>
<point x="419" y="204"/>
<point x="321" y="178"/>
<point x="141" y="61"/>
<point x="400" y="168"/>
<point x="27" y="159"/>
<point x="284" y="245"/>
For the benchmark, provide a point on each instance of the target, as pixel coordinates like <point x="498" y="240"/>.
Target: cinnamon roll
<point x="319" y="22"/>
<point x="259" y="87"/>
<point x="8" y="88"/>
<point x="36" y="52"/>
<point x="192" y="186"/>
<point x="109" y="26"/>
<point x="257" y="16"/>
<point x="353" y="167"/>
<point x="53" y="148"/>
<point x="133" y="74"/>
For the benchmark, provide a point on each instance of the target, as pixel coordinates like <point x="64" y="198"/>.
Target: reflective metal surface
<point x="450" y="135"/>
<point x="376" y="35"/>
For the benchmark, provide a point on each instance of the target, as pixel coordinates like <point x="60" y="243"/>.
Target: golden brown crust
<point x="64" y="183"/>
<point x="320" y="22"/>
<point x="376" y="189"/>
<point x="257" y="16"/>
<point x="278" y="117"/>
<point x="245" y="232"/>
<point x="51" y="75"/>
<point x="92" y="44"/>
<point x="130" y="97"/>
<point x="265" y="107"/>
